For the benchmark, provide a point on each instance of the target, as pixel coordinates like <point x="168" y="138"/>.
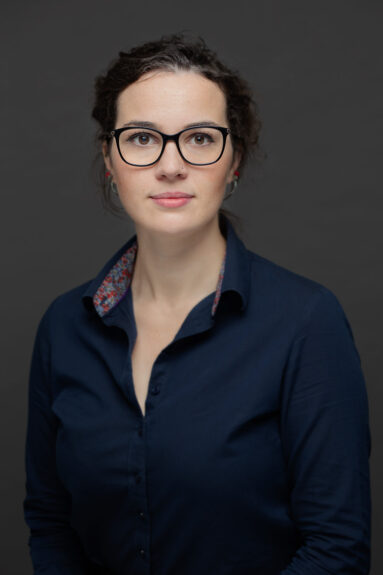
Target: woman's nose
<point x="171" y="163"/>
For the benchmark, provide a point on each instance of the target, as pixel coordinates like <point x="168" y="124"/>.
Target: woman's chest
<point x="211" y="399"/>
<point x="154" y="333"/>
<point x="147" y="347"/>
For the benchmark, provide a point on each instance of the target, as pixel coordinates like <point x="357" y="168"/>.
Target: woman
<point x="195" y="408"/>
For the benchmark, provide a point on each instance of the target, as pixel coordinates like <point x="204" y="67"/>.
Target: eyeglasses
<point x="199" y="145"/>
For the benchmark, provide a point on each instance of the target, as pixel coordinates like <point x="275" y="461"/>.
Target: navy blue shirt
<point x="252" y="457"/>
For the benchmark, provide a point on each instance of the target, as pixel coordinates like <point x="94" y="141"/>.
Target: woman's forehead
<point x="170" y="98"/>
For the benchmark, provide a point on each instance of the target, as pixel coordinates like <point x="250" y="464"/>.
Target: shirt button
<point x="142" y="514"/>
<point x="142" y="552"/>
<point x="140" y="431"/>
<point x="155" y="389"/>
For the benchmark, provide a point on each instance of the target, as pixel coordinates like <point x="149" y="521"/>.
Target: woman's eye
<point x="142" y="139"/>
<point x="201" y="139"/>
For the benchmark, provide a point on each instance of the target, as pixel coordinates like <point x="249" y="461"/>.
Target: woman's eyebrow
<point x="139" y="123"/>
<point x="146" y="124"/>
<point x="204" y="123"/>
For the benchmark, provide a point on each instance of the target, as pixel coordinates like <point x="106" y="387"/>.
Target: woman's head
<point x="169" y="56"/>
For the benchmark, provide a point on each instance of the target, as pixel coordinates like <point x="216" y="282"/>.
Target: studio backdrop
<point x="313" y="203"/>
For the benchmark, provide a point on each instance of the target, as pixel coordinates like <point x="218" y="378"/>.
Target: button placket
<point x="138" y="496"/>
<point x="138" y="461"/>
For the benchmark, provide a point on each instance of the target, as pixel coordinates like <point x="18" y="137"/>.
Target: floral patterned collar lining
<point x="116" y="283"/>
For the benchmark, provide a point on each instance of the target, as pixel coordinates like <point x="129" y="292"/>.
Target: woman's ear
<point x="106" y="155"/>
<point x="233" y="172"/>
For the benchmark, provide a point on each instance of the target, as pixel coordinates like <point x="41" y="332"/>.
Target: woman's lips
<point x="172" y="199"/>
<point x="172" y="202"/>
<point x="172" y="195"/>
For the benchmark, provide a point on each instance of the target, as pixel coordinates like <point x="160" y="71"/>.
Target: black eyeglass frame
<point x="167" y="138"/>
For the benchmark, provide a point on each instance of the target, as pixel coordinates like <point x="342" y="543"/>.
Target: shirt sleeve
<point x="326" y="440"/>
<point x="54" y="546"/>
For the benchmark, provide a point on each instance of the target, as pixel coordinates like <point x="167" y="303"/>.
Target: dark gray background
<point x="315" y="205"/>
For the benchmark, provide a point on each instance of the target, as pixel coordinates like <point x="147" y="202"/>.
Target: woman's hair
<point x="175" y="53"/>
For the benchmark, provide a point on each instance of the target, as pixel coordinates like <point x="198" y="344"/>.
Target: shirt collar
<point x="113" y="281"/>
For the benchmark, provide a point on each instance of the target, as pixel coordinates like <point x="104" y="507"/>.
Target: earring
<point x="112" y="185"/>
<point x="234" y="185"/>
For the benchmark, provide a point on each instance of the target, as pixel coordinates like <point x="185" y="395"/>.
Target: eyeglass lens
<point x="198" y="145"/>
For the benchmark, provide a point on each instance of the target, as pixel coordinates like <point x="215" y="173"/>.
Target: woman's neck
<point x="172" y="272"/>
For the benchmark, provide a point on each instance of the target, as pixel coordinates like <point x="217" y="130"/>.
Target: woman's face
<point x="171" y="101"/>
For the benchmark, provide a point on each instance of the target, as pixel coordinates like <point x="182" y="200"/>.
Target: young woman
<point x="195" y="409"/>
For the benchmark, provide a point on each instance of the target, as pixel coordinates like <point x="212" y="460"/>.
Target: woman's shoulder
<point x="273" y="275"/>
<point x="66" y="303"/>
<point x="290" y="294"/>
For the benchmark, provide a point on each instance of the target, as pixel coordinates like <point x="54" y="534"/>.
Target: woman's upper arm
<point x="326" y="440"/>
<point x="54" y="546"/>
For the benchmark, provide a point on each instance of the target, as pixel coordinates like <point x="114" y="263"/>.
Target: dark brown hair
<point x="175" y="53"/>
